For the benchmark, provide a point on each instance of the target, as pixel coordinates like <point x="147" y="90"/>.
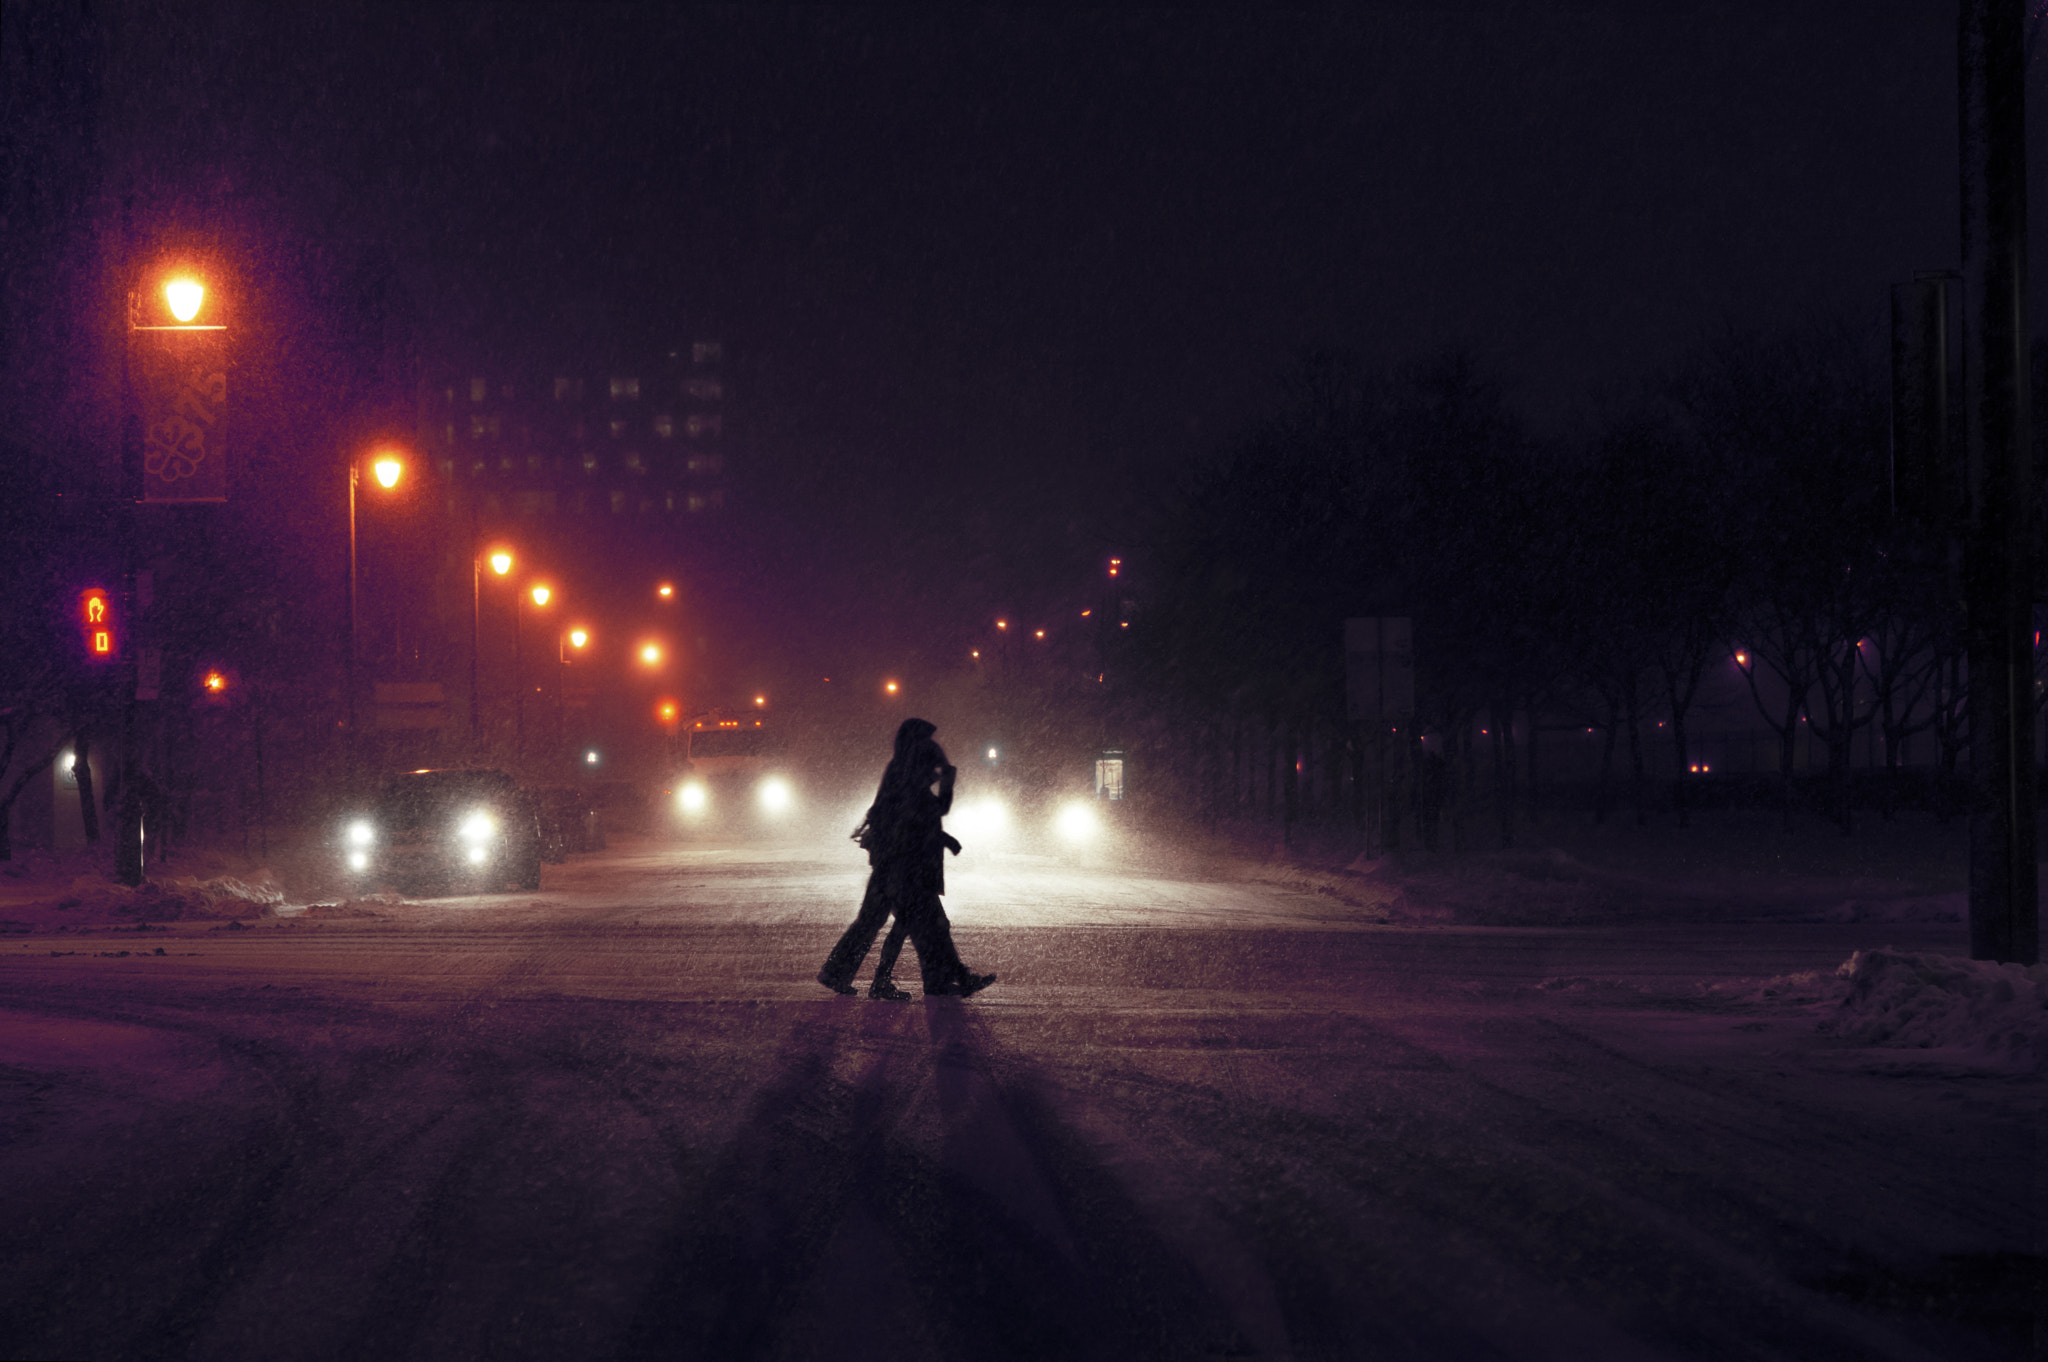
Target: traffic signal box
<point x="96" y="626"/>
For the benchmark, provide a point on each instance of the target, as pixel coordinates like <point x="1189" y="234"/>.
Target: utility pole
<point x="1998" y="551"/>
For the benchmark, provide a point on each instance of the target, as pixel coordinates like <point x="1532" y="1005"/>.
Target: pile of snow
<point x="226" y="896"/>
<point x="1940" y="1002"/>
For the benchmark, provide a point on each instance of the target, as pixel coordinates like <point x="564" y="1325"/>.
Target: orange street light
<point x="578" y="637"/>
<point x="889" y="686"/>
<point x="184" y="297"/>
<point x="501" y="562"/>
<point x="650" y="653"/>
<point x="540" y="595"/>
<point x="665" y="591"/>
<point x="385" y="466"/>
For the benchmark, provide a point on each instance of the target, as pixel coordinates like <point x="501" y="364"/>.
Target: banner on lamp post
<point x="181" y="395"/>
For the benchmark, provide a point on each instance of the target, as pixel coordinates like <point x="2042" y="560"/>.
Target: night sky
<point x="999" y="275"/>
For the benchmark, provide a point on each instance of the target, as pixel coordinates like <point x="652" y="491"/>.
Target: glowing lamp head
<point x="501" y="562"/>
<point x="184" y="297"/>
<point x="665" y="591"/>
<point x="577" y="638"/>
<point x="215" y="683"/>
<point x="540" y="595"/>
<point x="889" y="686"/>
<point x="650" y="653"/>
<point x="760" y="700"/>
<point x="388" y="470"/>
<point x="590" y="757"/>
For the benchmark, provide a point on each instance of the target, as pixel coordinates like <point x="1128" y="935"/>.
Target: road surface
<point x="1198" y="1117"/>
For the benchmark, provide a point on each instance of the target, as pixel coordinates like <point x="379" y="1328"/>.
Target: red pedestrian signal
<point x="96" y="623"/>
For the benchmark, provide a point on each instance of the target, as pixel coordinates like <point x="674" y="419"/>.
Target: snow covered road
<point x="1199" y="1116"/>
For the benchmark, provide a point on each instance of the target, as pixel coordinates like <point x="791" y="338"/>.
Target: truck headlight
<point x="361" y="834"/>
<point x="478" y="827"/>
<point x="775" y="795"/>
<point x="692" y="798"/>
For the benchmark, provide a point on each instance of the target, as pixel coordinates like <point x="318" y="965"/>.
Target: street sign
<point x="411" y="704"/>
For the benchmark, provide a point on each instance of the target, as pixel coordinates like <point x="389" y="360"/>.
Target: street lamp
<point x="578" y="639"/>
<point x="388" y="468"/>
<point x="540" y="594"/>
<point x="501" y="563"/>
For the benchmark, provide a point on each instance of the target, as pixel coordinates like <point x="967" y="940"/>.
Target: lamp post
<point x="501" y="563"/>
<point x="387" y="468"/>
<point x="540" y="593"/>
<point x="577" y="639"/>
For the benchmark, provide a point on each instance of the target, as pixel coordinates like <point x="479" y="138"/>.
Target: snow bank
<point x="95" y="897"/>
<point x="1929" y="1002"/>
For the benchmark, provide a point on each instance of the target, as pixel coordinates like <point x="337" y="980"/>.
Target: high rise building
<point x="634" y="437"/>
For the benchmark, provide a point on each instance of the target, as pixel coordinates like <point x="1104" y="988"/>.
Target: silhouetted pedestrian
<point x="906" y="845"/>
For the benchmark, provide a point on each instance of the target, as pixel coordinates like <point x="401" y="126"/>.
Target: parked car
<point x="469" y="827"/>
<point x="568" y="822"/>
<point x="622" y="807"/>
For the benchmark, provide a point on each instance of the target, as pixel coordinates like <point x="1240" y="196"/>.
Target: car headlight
<point x="1077" y="823"/>
<point x="359" y="860"/>
<point x="775" y="795"/>
<point x="983" y="820"/>
<point x="360" y="833"/>
<point x="693" y="798"/>
<point x="478" y="827"/>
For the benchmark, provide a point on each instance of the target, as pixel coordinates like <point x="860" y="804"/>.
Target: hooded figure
<point x="906" y="845"/>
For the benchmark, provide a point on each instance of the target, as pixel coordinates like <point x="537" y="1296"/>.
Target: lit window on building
<point x="449" y="432"/>
<point x="664" y="425"/>
<point x="704" y="389"/>
<point x="699" y="426"/>
<point x="696" y="503"/>
<point x="565" y="388"/>
<point x="693" y="465"/>
<point x="618" y="503"/>
<point x="618" y="429"/>
<point x="633" y="461"/>
<point x="505" y="463"/>
<point x="625" y="387"/>
<point x="589" y="462"/>
<point x="478" y="390"/>
<point x="483" y="425"/>
<point x="535" y="463"/>
<point x="671" y="501"/>
<point x="707" y="352"/>
<point x="449" y="393"/>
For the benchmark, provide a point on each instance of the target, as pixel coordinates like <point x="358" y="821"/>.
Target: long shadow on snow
<point x="831" y="1229"/>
